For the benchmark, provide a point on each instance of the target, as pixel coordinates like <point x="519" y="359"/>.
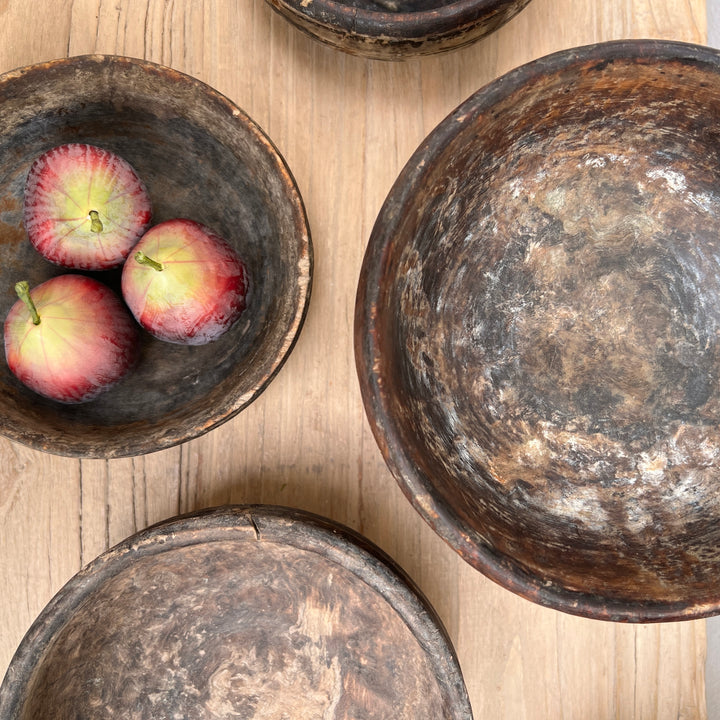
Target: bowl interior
<point x="538" y="324"/>
<point x="409" y="11"/>
<point x="397" y="6"/>
<point x="256" y="612"/>
<point x="393" y="29"/>
<point x="200" y="158"/>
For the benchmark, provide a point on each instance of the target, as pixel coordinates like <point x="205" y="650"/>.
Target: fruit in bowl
<point x="70" y="338"/>
<point x="228" y="174"/>
<point x="85" y="207"/>
<point x="184" y="284"/>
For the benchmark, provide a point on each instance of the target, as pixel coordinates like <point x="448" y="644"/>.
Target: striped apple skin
<point x="86" y="341"/>
<point x="68" y="182"/>
<point x="199" y="294"/>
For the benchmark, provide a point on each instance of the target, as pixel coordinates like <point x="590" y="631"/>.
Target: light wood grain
<point x="346" y="126"/>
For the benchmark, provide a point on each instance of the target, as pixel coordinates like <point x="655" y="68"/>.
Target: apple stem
<point x="95" y="222"/>
<point x="143" y="259"/>
<point x="22" y="289"/>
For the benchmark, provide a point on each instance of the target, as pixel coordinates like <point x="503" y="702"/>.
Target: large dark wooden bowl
<point x="397" y="29"/>
<point x="255" y="612"/>
<point x="538" y="330"/>
<point x="201" y="157"/>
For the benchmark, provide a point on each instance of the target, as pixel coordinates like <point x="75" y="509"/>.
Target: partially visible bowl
<point x="202" y="158"/>
<point x="538" y="330"/>
<point x="396" y="29"/>
<point x="239" y="611"/>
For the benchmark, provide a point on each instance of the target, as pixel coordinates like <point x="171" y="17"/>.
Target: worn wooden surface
<point x="411" y="29"/>
<point x="346" y="126"/>
<point x="560" y="442"/>
<point x="174" y="392"/>
<point x="257" y="612"/>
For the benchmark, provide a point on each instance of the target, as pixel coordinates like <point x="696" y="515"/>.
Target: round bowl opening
<point x="537" y="330"/>
<point x="200" y="158"/>
<point x="238" y="611"/>
<point x="396" y="29"/>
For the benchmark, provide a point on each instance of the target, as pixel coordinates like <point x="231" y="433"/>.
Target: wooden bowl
<point x="396" y="29"/>
<point x="538" y="330"/>
<point x="247" y="611"/>
<point x="201" y="157"/>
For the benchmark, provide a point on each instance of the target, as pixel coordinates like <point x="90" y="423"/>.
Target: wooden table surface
<point x="346" y="126"/>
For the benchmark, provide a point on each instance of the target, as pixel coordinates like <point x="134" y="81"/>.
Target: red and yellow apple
<point x="85" y="207"/>
<point x="184" y="283"/>
<point x="70" y="338"/>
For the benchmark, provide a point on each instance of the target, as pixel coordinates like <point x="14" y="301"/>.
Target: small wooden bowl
<point x="396" y="29"/>
<point x="246" y="611"/>
<point x="538" y="330"/>
<point x="201" y="158"/>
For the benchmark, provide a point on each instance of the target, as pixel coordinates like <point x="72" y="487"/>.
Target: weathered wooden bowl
<point x="397" y="29"/>
<point x="537" y="330"/>
<point x="201" y="157"/>
<point x="241" y="611"/>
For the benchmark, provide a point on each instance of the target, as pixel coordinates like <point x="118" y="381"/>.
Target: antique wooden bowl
<point x="537" y="330"/>
<point x="396" y="29"/>
<point x="200" y="157"/>
<point x="256" y="612"/>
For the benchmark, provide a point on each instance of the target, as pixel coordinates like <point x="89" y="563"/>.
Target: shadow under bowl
<point x="201" y="158"/>
<point x="538" y="330"/>
<point x="397" y="29"/>
<point x="242" y="611"/>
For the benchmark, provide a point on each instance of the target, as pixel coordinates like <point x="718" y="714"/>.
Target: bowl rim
<point x="378" y="24"/>
<point x="292" y="527"/>
<point x="116" y="446"/>
<point x="418" y="488"/>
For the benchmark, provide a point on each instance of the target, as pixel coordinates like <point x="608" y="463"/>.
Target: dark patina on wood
<point x="251" y="612"/>
<point x="537" y="330"/>
<point x="396" y="29"/>
<point x="202" y="158"/>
